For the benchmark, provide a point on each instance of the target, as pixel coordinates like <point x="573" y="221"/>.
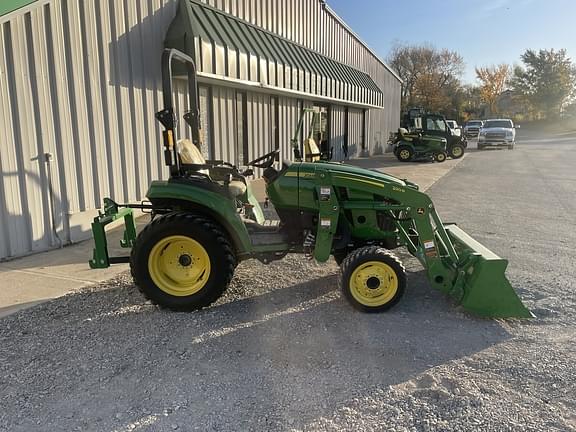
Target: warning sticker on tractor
<point x="325" y="223"/>
<point x="325" y="193"/>
<point x="430" y="248"/>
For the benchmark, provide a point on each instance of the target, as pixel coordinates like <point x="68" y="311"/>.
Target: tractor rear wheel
<point x="457" y="151"/>
<point x="404" y="153"/>
<point x="182" y="261"/>
<point x="373" y="279"/>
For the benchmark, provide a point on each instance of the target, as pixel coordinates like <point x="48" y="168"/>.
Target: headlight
<point x="509" y="134"/>
<point x="482" y="133"/>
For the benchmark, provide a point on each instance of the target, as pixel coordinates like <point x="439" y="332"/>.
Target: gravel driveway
<point x="283" y="351"/>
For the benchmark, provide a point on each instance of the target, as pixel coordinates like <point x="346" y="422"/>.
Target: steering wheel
<point x="265" y="161"/>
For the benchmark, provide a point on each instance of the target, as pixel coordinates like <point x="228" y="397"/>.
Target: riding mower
<point x="205" y="220"/>
<point x="412" y="147"/>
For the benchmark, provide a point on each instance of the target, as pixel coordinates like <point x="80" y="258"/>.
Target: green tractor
<point x="418" y="121"/>
<point x="412" y="147"/>
<point x="205" y="220"/>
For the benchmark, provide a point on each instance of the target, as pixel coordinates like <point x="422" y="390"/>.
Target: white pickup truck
<point x="497" y="133"/>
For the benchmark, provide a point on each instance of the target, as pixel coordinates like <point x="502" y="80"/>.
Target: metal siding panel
<point x="109" y="123"/>
<point x="121" y="52"/>
<point x="25" y="136"/>
<point x="135" y="80"/>
<point x="98" y="148"/>
<point x="151" y="47"/>
<point x="45" y="123"/>
<point x="14" y="226"/>
<point x="78" y="107"/>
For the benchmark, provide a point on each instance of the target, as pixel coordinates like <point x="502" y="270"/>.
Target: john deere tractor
<point x="205" y="221"/>
<point x="409" y="147"/>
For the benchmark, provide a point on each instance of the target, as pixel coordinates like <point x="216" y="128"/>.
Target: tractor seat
<point x="311" y="150"/>
<point x="402" y="133"/>
<point x="191" y="155"/>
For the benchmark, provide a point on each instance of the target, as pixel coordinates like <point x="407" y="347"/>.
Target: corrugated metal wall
<point x="80" y="81"/>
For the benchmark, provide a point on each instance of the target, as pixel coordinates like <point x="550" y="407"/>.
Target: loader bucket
<point x="483" y="288"/>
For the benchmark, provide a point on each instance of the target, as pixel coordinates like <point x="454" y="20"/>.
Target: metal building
<point x="80" y="84"/>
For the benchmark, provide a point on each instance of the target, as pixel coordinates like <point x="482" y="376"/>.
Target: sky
<point x="484" y="32"/>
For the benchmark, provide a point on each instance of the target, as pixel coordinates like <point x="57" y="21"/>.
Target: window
<point x="435" y="125"/>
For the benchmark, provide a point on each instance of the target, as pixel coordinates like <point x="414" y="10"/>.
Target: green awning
<point x="7" y="6"/>
<point x="228" y="48"/>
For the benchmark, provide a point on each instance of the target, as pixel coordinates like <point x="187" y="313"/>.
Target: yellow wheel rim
<point x="457" y="151"/>
<point x="179" y="266"/>
<point x="404" y="154"/>
<point x="373" y="284"/>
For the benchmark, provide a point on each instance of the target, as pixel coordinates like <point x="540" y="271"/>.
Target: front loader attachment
<point x="481" y="285"/>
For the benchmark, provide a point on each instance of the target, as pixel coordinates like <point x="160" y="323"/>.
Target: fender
<point x="187" y="196"/>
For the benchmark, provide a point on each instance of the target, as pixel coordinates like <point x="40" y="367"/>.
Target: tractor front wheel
<point x="440" y="157"/>
<point x="182" y="261"/>
<point x="373" y="279"/>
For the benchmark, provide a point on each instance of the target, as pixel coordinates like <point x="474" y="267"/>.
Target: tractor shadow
<point x="295" y="348"/>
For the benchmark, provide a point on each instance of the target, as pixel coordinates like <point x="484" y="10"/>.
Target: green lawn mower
<point x="417" y="120"/>
<point x="205" y="221"/>
<point x="412" y="147"/>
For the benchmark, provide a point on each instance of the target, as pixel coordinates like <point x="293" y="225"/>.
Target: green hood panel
<point x="342" y="169"/>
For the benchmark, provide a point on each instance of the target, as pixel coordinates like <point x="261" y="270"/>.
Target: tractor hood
<point x="342" y="169"/>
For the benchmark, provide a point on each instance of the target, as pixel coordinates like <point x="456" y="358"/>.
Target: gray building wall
<point x="80" y="81"/>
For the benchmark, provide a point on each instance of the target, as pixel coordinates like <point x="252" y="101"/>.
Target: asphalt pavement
<point x="282" y="350"/>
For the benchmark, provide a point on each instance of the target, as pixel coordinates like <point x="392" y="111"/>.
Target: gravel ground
<point x="283" y="351"/>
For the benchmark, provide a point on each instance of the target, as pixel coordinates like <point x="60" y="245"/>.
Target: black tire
<point x="361" y="260"/>
<point x="440" y="157"/>
<point x="511" y="147"/>
<point x="404" y="153"/>
<point x="217" y="251"/>
<point x="457" y="151"/>
<point x="340" y="256"/>
<point x="480" y="147"/>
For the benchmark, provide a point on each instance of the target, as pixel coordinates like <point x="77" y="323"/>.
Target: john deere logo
<point x="421" y="211"/>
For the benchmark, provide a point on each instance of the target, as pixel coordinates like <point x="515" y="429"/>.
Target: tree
<point x="473" y="107"/>
<point x="547" y="80"/>
<point x="493" y="81"/>
<point x="431" y="76"/>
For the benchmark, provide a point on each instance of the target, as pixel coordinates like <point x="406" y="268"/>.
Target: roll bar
<point x="168" y="115"/>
